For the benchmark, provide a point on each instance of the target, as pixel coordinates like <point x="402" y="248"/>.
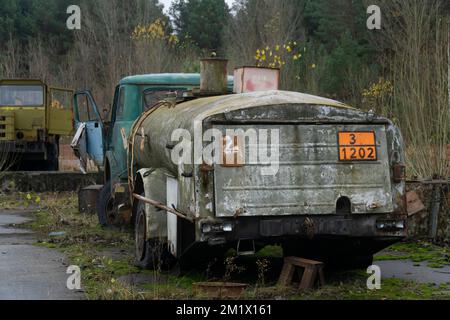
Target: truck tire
<point x="149" y="254"/>
<point x="105" y="207"/>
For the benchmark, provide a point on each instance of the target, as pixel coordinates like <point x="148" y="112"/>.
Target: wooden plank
<point x="286" y="274"/>
<point x="321" y="276"/>
<point x="303" y="262"/>
<point x="313" y="270"/>
<point x="309" y="278"/>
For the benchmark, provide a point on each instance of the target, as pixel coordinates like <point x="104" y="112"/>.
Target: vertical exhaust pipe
<point x="213" y="76"/>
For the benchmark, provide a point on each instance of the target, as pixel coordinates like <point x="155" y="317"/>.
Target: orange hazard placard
<point x="357" y="146"/>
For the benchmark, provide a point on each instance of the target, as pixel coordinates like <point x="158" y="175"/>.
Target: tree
<point x="25" y="19"/>
<point x="201" y="21"/>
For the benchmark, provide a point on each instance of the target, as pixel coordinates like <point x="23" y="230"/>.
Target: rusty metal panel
<point x="311" y="178"/>
<point x="87" y="199"/>
<point x="252" y="79"/>
<point x="214" y="78"/>
<point x="415" y="205"/>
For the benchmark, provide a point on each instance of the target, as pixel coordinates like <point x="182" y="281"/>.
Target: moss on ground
<point x="418" y="251"/>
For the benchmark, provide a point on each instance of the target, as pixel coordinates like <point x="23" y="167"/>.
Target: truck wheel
<point x="150" y="254"/>
<point x="105" y="207"/>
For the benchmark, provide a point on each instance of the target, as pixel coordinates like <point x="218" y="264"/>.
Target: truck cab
<point x="104" y="139"/>
<point x="33" y="117"/>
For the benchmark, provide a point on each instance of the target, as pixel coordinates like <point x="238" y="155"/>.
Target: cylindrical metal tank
<point x="159" y="125"/>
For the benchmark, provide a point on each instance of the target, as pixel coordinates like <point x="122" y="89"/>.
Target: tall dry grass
<point x="417" y="34"/>
<point x="103" y="51"/>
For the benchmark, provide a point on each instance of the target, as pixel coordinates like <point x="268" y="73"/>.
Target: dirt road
<point x="28" y="272"/>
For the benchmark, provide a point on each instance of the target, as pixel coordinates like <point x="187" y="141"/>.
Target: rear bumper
<point x="277" y="229"/>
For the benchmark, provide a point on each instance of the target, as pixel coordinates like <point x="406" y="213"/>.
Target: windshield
<point x="22" y="96"/>
<point x="151" y="96"/>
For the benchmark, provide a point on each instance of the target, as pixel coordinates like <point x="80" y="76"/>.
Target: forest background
<point x="322" y="47"/>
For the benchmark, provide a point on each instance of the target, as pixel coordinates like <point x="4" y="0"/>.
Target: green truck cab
<point x="33" y="117"/>
<point x="104" y="140"/>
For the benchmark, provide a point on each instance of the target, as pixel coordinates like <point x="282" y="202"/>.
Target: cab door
<point x="59" y="111"/>
<point x="89" y="139"/>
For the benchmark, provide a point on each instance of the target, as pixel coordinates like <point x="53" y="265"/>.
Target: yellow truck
<point x="33" y="117"/>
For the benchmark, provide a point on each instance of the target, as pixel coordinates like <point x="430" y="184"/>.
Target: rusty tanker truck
<point x="209" y="171"/>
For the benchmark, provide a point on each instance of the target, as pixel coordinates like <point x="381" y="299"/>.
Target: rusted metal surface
<point x="87" y="199"/>
<point x="252" y="79"/>
<point x="415" y="205"/>
<point x="213" y="76"/>
<point x="310" y="180"/>
<point x="265" y="106"/>
<point x="163" y="207"/>
<point x="399" y="173"/>
<point x="220" y="290"/>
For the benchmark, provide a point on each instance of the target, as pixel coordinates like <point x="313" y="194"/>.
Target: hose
<point x="131" y="142"/>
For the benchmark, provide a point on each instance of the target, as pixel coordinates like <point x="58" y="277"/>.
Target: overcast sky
<point x="167" y="3"/>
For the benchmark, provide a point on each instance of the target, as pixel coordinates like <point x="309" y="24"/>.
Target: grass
<point x="419" y="251"/>
<point x="352" y="286"/>
<point x="105" y="257"/>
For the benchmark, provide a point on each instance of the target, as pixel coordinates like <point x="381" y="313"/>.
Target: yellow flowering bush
<point x="378" y="96"/>
<point x="154" y="31"/>
<point x="278" y="55"/>
<point x="378" y="90"/>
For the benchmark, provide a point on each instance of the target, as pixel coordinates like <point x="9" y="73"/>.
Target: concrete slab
<point x="418" y="272"/>
<point x="29" y="272"/>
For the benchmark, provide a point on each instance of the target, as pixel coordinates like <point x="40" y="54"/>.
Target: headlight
<point x="380" y="225"/>
<point x="206" y="228"/>
<point x="391" y="224"/>
<point x="217" y="227"/>
<point x="400" y="225"/>
<point x="227" y="227"/>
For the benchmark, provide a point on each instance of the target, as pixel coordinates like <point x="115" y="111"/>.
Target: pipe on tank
<point x="213" y="76"/>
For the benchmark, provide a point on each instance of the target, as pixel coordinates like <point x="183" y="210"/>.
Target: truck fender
<point x="153" y="184"/>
